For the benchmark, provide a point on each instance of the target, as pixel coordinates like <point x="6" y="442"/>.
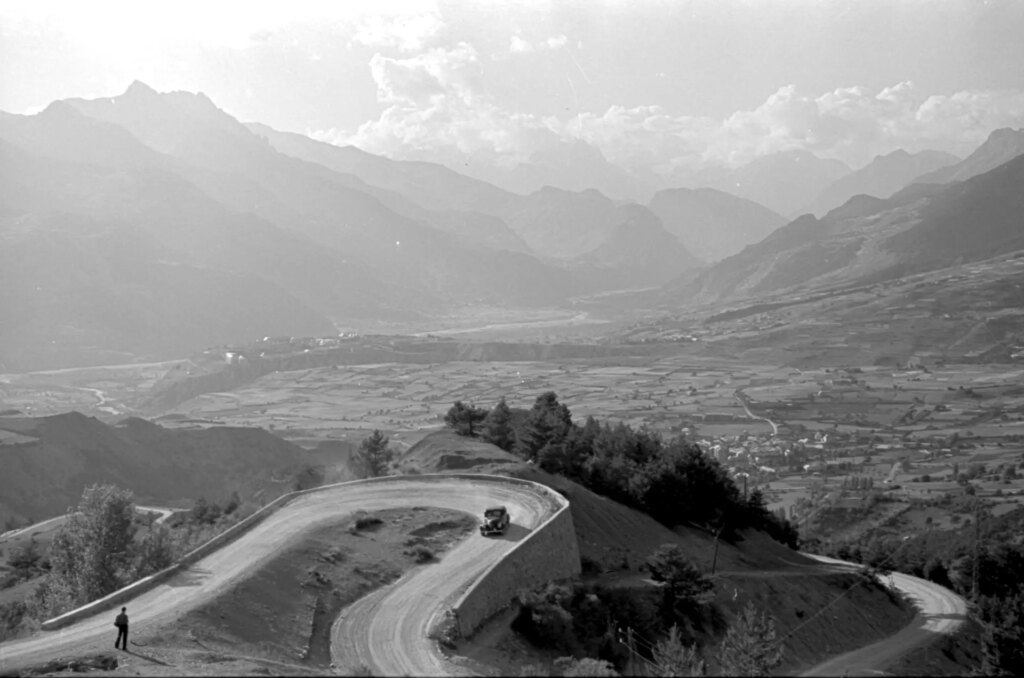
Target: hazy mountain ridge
<point x="918" y="229"/>
<point x="62" y="454"/>
<point x="713" y="224"/>
<point x="1000" y="147"/>
<point x="781" y="181"/>
<point x="881" y="178"/>
<point x="551" y="222"/>
<point x="433" y="186"/>
<point x="305" y="244"/>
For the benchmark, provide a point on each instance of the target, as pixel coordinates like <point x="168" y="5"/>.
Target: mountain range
<point x="922" y="227"/>
<point x="149" y="225"/>
<point x="880" y="178"/>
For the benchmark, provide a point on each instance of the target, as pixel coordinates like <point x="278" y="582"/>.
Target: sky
<point x="660" y="85"/>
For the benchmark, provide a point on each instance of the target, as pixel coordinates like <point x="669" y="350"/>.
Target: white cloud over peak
<point x="436" y="102"/>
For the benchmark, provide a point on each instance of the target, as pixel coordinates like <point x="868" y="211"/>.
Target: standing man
<point x="121" y="622"/>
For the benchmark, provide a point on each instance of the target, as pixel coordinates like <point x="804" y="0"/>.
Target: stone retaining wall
<point x="549" y="553"/>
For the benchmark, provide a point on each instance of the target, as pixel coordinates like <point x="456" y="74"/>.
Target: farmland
<point x="809" y="437"/>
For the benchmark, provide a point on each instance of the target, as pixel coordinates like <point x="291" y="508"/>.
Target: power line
<point x="842" y="595"/>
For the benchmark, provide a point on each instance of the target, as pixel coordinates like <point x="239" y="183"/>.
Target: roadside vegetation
<point x="980" y="561"/>
<point x="637" y="468"/>
<point x="104" y="545"/>
<point x="608" y="632"/>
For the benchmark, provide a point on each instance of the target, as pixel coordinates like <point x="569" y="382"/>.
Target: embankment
<point x="549" y="553"/>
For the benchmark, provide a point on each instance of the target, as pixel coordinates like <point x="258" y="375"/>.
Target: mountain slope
<point x="976" y="219"/>
<point x="1001" y="146"/>
<point x="421" y="191"/>
<point x="84" y="279"/>
<point x="882" y="177"/>
<point x="713" y="224"/>
<point x="66" y="452"/>
<point x="245" y="174"/>
<point x="431" y="185"/>
<point x="868" y="239"/>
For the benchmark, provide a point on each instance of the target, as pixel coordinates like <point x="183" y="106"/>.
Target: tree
<point x="750" y="647"/>
<point x="464" y="418"/>
<point x="674" y="658"/>
<point x="544" y="618"/>
<point x="154" y="552"/>
<point x="206" y="512"/>
<point x="374" y="455"/>
<point x="685" y="586"/>
<point x="549" y="425"/>
<point x="1002" y="642"/>
<point x="498" y="426"/>
<point x="91" y="554"/>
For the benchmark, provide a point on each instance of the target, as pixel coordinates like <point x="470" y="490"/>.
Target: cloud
<point x="518" y="45"/>
<point x="409" y="33"/>
<point x="436" y="103"/>
<point x="557" y="41"/>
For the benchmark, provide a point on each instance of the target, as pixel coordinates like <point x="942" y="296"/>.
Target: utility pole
<point x="714" y="557"/>
<point x="977" y="542"/>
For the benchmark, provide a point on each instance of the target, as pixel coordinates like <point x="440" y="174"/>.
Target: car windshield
<point x="494" y="513"/>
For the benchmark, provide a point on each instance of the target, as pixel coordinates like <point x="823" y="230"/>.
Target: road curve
<point x="940" y="611"/>
<point x="387" y="631"/>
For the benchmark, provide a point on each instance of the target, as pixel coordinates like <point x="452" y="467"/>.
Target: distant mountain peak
<point x="139" y="89"/>
<point x="1004" y="135"/>
<point x="1001" y="146"/>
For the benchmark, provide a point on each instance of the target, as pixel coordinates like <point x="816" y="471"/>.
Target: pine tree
<point x="374" y="455"/>
<point x="464" y="418"/>
<point x="674" y="658"/>
<point x="685" y="586"/>
<point x="498" y="426"/>
<point x="750" y="647"/>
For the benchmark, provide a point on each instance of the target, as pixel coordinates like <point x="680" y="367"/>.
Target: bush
<point x="421" y="554"/>
<point x="590" y="566"/>
<point x="367" y="522"/>
<point x="543" y="618"/>
<point x="446" y="631"/>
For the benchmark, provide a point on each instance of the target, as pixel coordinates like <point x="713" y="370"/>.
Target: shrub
<point x="446" y="631"/>
<point x="421" y="554"/>
<point x="367" y="522"/>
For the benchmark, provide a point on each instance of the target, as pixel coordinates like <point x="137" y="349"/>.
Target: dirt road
<point x="386" y="632"/>
<point x="939" y="611"/>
